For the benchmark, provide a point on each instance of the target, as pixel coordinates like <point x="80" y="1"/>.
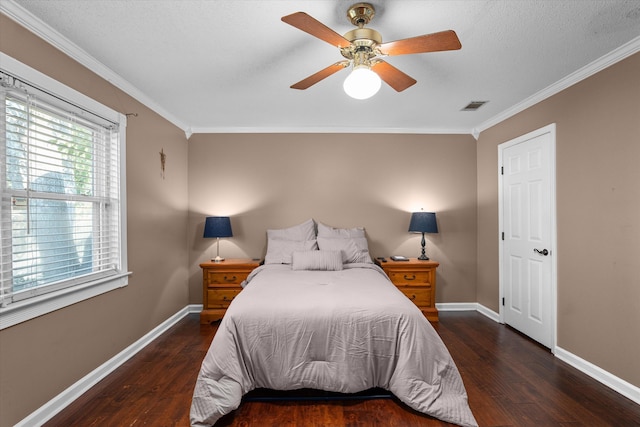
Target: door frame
<point x="551" y="129"/>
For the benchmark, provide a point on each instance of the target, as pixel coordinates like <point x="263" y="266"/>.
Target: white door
<point x="527" y="217"/>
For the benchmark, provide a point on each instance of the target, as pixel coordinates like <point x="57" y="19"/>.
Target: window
<point x="62" y="206"/>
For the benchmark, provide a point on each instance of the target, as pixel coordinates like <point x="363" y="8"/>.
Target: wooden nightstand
<point x="220" y="284"/>
<point x="417" y="280"/>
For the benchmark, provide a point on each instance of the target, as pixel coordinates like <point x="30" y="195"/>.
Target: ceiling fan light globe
<point x="362" y="83"/>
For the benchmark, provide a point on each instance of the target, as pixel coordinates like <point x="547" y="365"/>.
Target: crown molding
<point x="34" y="24"/>
<point x="588" y="70"/>
<point x="293" y="129"/>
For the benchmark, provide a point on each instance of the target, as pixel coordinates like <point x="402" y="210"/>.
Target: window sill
<point x="31" y="308"/>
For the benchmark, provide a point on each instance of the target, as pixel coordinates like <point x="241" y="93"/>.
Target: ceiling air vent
<point x="474" y="105"/>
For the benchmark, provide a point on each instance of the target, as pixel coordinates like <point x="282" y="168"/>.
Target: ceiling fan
<point x="363" y="48"/>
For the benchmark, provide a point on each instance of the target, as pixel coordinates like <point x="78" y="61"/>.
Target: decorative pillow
<point x="317" y="260"/>
<point x="304" y="231"/>
<point x="280" y="251"/>
<point x="353" y="249"/>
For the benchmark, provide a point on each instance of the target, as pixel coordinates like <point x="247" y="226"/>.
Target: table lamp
<point x="423" y="222"/>
<point x="217" y="226"/>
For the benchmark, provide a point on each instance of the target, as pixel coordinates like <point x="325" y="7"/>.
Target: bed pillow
<point x="281" y="243"/>
<point x="304" y="231"/>
<point x="352" y="249"/>
<point x="317" y="260"/>
<point x="351" y="241"/>
<point x="281" y="251"/>
<point x="339" y="233"/>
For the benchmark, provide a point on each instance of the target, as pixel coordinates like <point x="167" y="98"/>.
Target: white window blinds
<point x="60" y="207"/>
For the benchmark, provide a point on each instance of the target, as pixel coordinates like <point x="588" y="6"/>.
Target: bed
<point x="329" y="319"/>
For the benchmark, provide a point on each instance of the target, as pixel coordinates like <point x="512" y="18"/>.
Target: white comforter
<point x="342" y="331"/>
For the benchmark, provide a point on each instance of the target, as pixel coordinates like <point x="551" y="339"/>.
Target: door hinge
<point x="501" y="170"/>
<point x="503" y="235"/>
<point x="503" y="301"/>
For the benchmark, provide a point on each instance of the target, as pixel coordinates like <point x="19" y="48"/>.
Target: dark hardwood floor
<point x="511" y="381"/>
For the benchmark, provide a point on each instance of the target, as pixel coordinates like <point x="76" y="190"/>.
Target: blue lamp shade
<point x="423" y="222"/>
<point x="217" y="226"/>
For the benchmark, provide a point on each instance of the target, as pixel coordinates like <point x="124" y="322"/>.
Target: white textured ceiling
<point x="226" y="66"/>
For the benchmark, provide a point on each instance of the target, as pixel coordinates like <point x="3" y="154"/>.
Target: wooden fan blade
<point x="392" y="76"/>
<point x="436" y="42"/>
<point x="310" y="25"/>
<point x="320" y="75"/>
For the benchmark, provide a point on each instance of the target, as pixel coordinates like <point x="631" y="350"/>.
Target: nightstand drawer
<point x="226" y="278"/>
<point x="417" y="280"/>
<point x="410" y="278"/>
<point x="220" y="284"/>
<point x="420" y="296"/>
<point x="221" y="297"/>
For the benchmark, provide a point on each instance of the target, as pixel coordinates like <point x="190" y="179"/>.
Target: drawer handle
<point x="413" y="297"/>
<point x="232" y="279"/>
<point x="412" y="277"/>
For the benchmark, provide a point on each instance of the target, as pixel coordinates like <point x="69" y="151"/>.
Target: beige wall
<point x="41" y="358"/>
<point x="343" y="180"/>
<point x="598" y="212"/>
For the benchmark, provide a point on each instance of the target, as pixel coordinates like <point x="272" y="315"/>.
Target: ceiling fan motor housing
<point x="362" y="40"/>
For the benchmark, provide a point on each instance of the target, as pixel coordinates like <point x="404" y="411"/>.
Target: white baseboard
<point x="64" y="399"/>
<point x="617" y="384"/>
<point x="489" y="313"/>
<point x="61" y="401"/>
<point x="469" y="306"/>
<point x="457" y="306"/>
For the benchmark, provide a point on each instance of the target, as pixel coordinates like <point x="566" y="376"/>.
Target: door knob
<point x="542" y="252"/>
